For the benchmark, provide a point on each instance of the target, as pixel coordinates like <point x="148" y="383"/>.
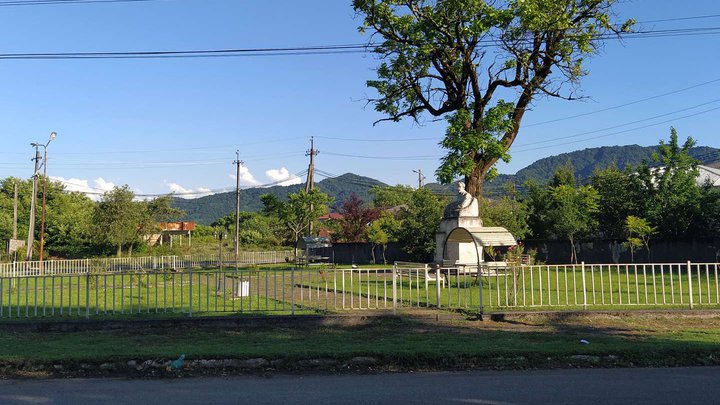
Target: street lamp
<point x="53" y="135"/>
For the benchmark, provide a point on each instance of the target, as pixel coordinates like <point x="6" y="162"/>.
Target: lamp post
<point x="42" y="216"/>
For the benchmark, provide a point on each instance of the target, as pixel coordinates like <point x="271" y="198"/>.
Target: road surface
<point x="584" y="386"/>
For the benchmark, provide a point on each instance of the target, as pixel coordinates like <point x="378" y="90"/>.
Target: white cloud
<point x="188" y="193"/>
<point x="283" y="176"/>
<point x="94" y="191"/>
<point x="246" y="177"/>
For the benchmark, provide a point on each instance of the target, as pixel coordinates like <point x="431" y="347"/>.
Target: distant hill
<point x="585" y="162"/>
<point x="206" y="210"/>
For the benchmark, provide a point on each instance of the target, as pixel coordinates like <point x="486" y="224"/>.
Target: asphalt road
<point x="586" y="386"/>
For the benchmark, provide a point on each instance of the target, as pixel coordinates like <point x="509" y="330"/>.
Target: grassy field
<point x="407" y="341"/>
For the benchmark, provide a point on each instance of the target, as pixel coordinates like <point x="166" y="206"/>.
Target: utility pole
<point x="15" y="214"/>
<point x="237" y="163"/>
<point x="31" y="230"/>
<point x="42" y="221"/>
<point x="420" y="177"/>
<point x="310" y="182"/>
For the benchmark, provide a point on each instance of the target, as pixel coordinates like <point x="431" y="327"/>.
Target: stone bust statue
<point x="465" y="205"/>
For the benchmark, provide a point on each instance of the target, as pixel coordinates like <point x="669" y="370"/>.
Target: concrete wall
<point x="360" y="253"/>
<point x="614" y="251"/>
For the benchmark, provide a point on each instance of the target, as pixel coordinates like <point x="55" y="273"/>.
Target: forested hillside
<point x="207" y="209"/>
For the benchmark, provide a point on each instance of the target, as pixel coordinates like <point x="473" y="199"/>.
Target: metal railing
<point x="81" y="266"/>
<point x="171" y="292"/>
<point x="549" y="287"/>
<point x="188" y="293"/>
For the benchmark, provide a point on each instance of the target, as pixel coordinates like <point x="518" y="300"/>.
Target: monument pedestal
<point x="460" y="253"/>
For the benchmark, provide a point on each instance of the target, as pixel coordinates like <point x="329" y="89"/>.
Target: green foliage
<point x="433" y="63"/>
<point x="420" y="221"/>
<point x="391" y="196"/>
<point x="639" y="232"/>
<point x="118" y="219"/>
<point x="563" y="210"/>
<point x="673" y="197"/>
<point x="298" y="211"/>
<point x="621" y="195"/>
<point x="508" y="213"/>
<point x="382" y="231"/>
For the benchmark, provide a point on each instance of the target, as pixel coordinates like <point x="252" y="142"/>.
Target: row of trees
<point x="659" y="199"/>
<point x="76" y="226"/>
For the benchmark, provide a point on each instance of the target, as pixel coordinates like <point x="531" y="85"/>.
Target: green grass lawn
<point x="635" y="339"/>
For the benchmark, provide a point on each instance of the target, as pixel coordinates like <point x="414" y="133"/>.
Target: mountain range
<point x="206" y="210"/>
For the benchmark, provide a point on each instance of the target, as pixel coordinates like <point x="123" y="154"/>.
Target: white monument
<point x="464" y="212"/>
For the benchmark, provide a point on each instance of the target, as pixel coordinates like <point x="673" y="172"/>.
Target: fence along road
<point x="82" y="266"/>
<point x="188" y="292"/>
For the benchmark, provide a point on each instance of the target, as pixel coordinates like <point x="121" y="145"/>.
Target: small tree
<point x="356" y="219"/>
<point x="572" y="212"/>
<point x="117" y="218"/>
<point x="639" y="232"/>
<point x="298" y="211"/>
<point x="381" y="232"/>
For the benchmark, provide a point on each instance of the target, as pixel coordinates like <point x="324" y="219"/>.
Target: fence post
<point x="582" y="270"/>
<point x="690" y="291"/>
<point x="292" y="290"/>
<point x="394" y="289"/>
<point x="190" y="299"/>
<point x="87" y="293"/>
<point x="437" y="286"/>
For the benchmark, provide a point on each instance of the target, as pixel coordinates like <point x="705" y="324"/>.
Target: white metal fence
<point x="81" y="266"/>
<point x="178" y="291"/>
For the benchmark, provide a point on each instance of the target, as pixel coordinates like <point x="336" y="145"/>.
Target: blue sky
<point x="174" y="125"/>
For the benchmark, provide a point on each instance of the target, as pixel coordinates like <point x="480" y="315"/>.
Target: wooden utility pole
<point x="420" y="177"/>
<point x="31" y="230"/>
<point x="310" y="182"/>
<point x="237" y="163"/>
<point x="15" y="214"/>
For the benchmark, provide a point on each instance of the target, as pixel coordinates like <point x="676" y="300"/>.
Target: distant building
<point x="169" y="231"/>
<point x="708" y="175"/>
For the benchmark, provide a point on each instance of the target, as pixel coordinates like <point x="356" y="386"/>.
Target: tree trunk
<point x="384" y="246"/>
<point x="119" y="250"/>
<point x="372" y="253"/>
<point x="573" y="257"/>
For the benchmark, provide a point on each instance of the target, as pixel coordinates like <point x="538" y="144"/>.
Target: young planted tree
<point x="639" y="232"/>
<point x="297" y="212"/>
<point x="382" y="231"/>
<point x="572" y="213"/>
<point x="480" y="65"/>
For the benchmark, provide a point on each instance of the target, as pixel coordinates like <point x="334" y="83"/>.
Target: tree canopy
<point x="479" y="65"/>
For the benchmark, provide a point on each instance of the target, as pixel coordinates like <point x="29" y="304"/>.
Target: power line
<point x="420" y="157"/>
<point x="62" y="2"/>
<point x="619" y="125"/>
<point x="624" y="131"/>
<point x="308" y="50"/>
<point x="625" y="104"/>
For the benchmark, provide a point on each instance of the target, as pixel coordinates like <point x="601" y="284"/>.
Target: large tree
<point x="480" y="64"/>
